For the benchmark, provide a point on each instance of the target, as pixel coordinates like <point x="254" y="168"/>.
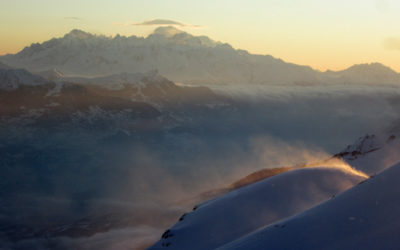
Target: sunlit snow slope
<point x="242" y="211"/>
<point x="364" y="217"/>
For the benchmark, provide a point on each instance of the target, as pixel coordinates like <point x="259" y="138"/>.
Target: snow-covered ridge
<point x="372" y="153"/>
<point x="364" y="217"/>
<point x="244" y="210"/>
<point x="236" y="217"/>
<point x="362" y="146"/>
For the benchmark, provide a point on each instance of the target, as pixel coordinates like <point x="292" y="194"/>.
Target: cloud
<point x="73" y="18"/>
<point x="157" y="22"/>
<point x="392" y="43"/>
<point x="161" y="22"/>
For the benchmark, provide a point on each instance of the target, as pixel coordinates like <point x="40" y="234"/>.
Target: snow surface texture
<point x="242" y="211"/>
<point x="196" y="60"/>
<point x="364" y="217"/>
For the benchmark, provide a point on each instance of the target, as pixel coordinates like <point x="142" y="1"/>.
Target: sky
<point x="324" y="34"/>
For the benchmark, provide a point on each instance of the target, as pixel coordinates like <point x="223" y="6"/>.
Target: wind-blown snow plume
<point x="339" y="164"/>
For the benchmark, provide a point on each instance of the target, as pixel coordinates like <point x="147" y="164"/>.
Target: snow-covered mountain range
<point x="196" y="60"/>
<point x="102" y="135"/>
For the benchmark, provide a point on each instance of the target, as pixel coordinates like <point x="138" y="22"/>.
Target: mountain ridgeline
<point x="196" y="60"/>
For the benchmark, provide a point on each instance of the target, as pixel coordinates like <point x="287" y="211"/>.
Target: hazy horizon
<point x="324" y="35"/>
<point x="226" y="124"/>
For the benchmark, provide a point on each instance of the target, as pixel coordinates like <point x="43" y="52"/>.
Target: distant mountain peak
<point x="181" y="37"/>
<point x="80" y="34"/>
<point x="167" y="31"/>
<point x="371" y="73"/>
<point x="372" y="67"/>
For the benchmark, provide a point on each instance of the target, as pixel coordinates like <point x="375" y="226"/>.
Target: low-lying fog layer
<point x="143" y="182"/>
